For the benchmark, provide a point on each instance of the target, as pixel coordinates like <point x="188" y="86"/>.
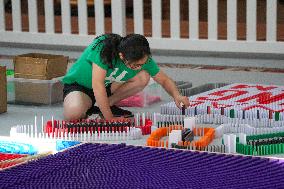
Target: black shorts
<point x="68" y="88"/>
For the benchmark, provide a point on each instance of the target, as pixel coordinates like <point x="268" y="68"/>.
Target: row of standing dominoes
<point x="230" y="112"/>
<point x="32" y="131"/>
<point x="244" y="128"/>
<point x="210" y="148"/>
<point x="212" y="118"/>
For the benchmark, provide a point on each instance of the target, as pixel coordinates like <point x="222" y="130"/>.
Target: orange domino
<point x="155" y="138"/>
<point x="148" y="142"/>
<point x="159" y="143"/>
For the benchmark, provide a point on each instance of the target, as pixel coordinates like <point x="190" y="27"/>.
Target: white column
<point x="99" y="17"/>
<point x="251" y="20"/>
<point x="2" y="16"/>
<point x="271" y="20"/>
<point x="16" y="15"/>
<point x="175" y="18"/>
<point x="156" y="18"/>
<point x="66" y="16"/>
<point x="118" y="17"/>
<point x="49" y="16"/>
<point x="232" y="20"/>
<point x="82" y="17"/>
<point x="212" y="20"/>
<point x="138" y="17"/>
<point x="193" y="7"/>
<point x="33" y="17"/>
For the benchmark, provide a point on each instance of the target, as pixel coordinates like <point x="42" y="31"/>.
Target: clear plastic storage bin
<point x="150" y="95"/>
<point x="34" y="91"/>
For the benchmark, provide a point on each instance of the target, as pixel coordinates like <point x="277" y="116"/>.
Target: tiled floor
<point x="198" y="75"/>
<point x="19" y="114"/>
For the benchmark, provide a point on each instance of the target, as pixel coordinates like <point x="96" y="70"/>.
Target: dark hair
<point x="133" y="47"/>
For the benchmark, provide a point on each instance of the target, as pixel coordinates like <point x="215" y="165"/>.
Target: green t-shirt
<point x="81" y="71"/>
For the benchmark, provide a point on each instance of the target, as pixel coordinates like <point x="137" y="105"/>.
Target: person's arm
<point x="169" y="85"/>
<point x="98" y="84"/>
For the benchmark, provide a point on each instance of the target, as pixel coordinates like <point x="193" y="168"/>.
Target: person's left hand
<point x="179" y="100"/>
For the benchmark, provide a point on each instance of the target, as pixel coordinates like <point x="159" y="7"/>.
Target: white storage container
<point x="151" y="94"/>
<point x="34" y="91"/>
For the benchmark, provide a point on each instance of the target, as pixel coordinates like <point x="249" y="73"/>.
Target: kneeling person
<point x="109" y="70"/>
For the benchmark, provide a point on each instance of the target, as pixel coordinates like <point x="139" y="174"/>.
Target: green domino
<point x="274" y="149"/>
<point x="242" y="148"/>
<point x="262" y="150"/>
<point x="277" y="116"/>
<point x="232" y="113"/>
<point x="278" y="148"/>
<point x="246" y="150"/>
<point x="238" y="147"/>
<point x="252" y="150"/>
<point x="249" y="150"/>
<point x="254" y="153"/>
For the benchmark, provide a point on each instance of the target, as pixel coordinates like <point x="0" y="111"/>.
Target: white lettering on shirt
<point x="111" y="77"/>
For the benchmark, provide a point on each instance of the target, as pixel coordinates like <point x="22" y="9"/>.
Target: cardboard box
<point x="3" y="90"/>
<point x="34" y="91"/>
<point x="40" y="66"/>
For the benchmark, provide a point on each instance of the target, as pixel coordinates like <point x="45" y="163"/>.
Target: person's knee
<point x="73" y="111"/>
<point x="76" y="105"/>
<point x="143" y="79"/>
